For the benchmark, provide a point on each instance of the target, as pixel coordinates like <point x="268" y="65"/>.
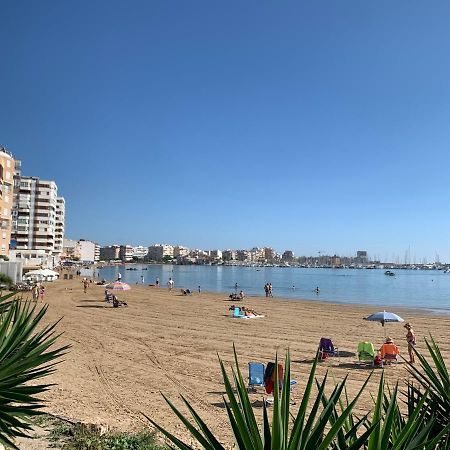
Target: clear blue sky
<point x="315" y="126"/>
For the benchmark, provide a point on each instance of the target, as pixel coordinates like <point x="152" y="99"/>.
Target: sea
<point x="423" y="289"/>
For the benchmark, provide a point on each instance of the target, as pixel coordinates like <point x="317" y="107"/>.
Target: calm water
<point x="409" y="288"/>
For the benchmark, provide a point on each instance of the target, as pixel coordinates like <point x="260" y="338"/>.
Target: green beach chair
<point x="366" y="352"/>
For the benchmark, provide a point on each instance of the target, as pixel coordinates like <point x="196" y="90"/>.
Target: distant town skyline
<point x="305" y="126"/>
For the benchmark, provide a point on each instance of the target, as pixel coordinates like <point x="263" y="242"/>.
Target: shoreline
<point x="373" y="291"/>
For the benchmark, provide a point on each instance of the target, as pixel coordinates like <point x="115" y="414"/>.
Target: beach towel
<point x="269" y="377"/>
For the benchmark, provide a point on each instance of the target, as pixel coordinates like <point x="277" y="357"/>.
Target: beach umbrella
<point x="384" y="317"/>
<point x="117" y="286"/>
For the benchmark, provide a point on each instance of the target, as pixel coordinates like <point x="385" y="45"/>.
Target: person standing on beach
<point x="42" y="292"/>
<point x="142" y="279"/>
<point x="270" y="290"/>
<point x="36" y="292"/>
<point x="411" y="340"/>
<point x="119" y="276"/>
<point x="266" y="289"/>
<point x="199" y="289"/>
<point x="85" y="285"/>
<point x="157" y="281"/>
<point x="170" y="284"/>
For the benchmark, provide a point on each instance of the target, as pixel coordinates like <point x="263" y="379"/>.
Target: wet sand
<point x="122" y="358"/>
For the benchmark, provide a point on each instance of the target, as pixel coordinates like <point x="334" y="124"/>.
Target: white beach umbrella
<point x="384" y="317"/>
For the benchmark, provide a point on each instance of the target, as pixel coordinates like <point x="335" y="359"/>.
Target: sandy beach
<point x="122" y="358"/>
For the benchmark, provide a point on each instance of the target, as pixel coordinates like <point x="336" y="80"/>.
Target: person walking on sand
<point x="411" y="340"/>
<point x="42" y="292"/>
<point x="36" y="292"/>
<point x="85" y="285"/>
<point x="170" y="284"/>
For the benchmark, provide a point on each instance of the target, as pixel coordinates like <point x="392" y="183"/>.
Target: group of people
<point x="268" y="289"/>
<point x="236" y="296"/>
<point x="38" y="292"/>
<point x="390" y="348"/>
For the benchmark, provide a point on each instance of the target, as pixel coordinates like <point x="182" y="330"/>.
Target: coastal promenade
<point x="122" y="358"/>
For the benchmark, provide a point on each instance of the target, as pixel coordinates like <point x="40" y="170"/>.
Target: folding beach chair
<point x="237" y="312"/>
<point x="255" y="375"/>
<point x="327" y="348"/>
<point x="366" y="352"/>
<point x="389" y="353"/>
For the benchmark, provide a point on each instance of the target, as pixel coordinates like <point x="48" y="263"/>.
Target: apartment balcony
<point x="22" y="232"/>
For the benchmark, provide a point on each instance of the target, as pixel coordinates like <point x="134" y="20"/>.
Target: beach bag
<point x="377" y="361"/>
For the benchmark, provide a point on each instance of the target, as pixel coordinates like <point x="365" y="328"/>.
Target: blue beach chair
<point x="255" y="375"/>
<point x="237" y="312"/>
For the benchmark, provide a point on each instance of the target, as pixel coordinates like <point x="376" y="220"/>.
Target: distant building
<point x="361" y="257"/>
<point x="228" y="255"/>
<point x="60" y="224"/>
<point x="242" y="255"/>
<point x="288" y="256"/>
<point x="6" y="199"/>
<point x="110" y="252"/>
<point x="179" y="250"/>
<point x="158" y="252"/>
<point x="126" y="253"/>
<point x="69" y="249"/>
<point x="140" y="252"/>
<point x="81" y="250"/>
<point x="97" y="253"/>
<point x="335" y="260"/>
<point x="269" y="254"/>
<point x="215" y="254"/>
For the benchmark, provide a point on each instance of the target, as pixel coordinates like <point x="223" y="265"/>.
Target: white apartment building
<point x="81" y="250"/>
<point x="97" y="253"/>
<point x="37" y="221"/>
<point x="60" y="224"/>
<point x="140" y="252"/>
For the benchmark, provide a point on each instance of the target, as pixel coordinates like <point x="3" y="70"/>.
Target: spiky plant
<point x="25" y="358"/>
<point x="428" y="387"/>
<point x="320" y="429"/>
